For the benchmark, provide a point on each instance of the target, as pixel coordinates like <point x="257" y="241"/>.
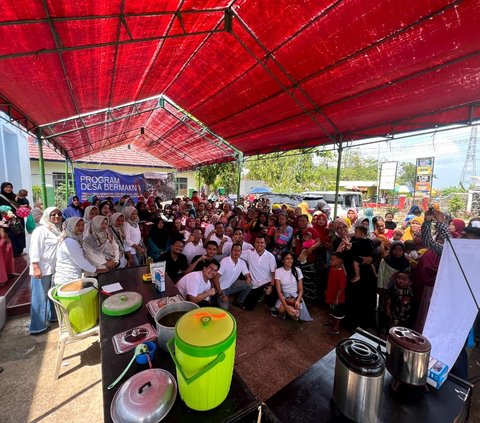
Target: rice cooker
<point x="358" y="383"/>
<point x="408" y="354"/>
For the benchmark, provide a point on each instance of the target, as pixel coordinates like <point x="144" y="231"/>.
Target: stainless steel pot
<point x="358" y="383"/>
<point x="408" y="354"/>
<point x="165" y="333"/>
<point x="146" y="397"/>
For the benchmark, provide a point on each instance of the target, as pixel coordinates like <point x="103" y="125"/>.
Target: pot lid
<point x="147" y="396"/>
<point x="122" y="303"/>
<point x="205" y="331"/>
<point x="409" y="339"/>
<point x="361" y="357"/>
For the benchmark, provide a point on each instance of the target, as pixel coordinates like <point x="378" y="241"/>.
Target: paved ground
<point x="270" y="353"/>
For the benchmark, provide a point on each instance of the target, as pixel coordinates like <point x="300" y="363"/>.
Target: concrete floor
<point x="270" y="353"/>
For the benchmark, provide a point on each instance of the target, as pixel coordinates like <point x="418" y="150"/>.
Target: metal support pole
<point x="74" y="189"/>
<point x="41" y="164"/>
<point x="337" y="182"/>
<point x="66" y="181"/>
<point x="240" y="166"/>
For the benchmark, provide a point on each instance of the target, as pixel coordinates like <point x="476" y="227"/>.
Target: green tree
<point x="407" y="174"/>
<point x="220" y="175"/>
<point x="60" y="200"/>
<point x="456" y="204"/>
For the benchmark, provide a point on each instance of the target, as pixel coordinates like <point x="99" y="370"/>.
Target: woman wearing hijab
<point x="71" y="261"/>
<point x="396" y="261"/>
<point x="88" y="215"/>
<point x="352" y="216"/>
<point x="143" y="214"/>
<point x="456" y="227"/>
<point x="133" y="236"/>
<point x="74" y="208"/>
<point x="7" y="267"/>
<point x="116" y="231"/>
<point x="43" y="255"/>
<point x="15" y="233"/>
<point x="100" y="248"/>
<point x="158" y="239"/>
<point x="414" y="230"/>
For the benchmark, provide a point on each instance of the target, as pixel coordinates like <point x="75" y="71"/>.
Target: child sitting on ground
<point x="398" y="300"/>
<point x="335" y="293"/>
<point x="308" y="242"/>
<point x="360" y="242"/>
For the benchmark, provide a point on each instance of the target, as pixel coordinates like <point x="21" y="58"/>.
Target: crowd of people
<point x="371" y="271"/>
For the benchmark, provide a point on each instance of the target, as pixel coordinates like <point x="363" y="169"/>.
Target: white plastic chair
<point x="66" y="334"/>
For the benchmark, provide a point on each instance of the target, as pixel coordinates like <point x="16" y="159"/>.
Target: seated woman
<point x="289" y="285"/>
<point x="117" y="221"/>
<point x="133" y="236"/>
<point x="100" y="248"/>
<point x="71" y="261"/>
<point x="158" y="239"/>
<point x="88" y="215"/>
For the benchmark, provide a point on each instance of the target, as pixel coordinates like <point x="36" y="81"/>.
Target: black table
<point x="308" y="398"/>
<point x="240" y="401"/>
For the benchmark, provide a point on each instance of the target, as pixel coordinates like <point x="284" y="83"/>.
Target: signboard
<point x="388" y="175"/>
<point x="424" y="175"/>
<point x="106" y="183"/>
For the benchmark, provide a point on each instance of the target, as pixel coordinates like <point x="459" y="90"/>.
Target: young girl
<point x="289" y="285"/>
<point x="398" y="303"/>
<point x="335" y="293"/>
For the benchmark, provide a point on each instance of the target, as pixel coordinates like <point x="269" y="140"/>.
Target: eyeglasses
<point x="56" y="214"/>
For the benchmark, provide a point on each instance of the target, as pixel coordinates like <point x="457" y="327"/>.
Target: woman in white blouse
<point x="71" y="261"/>
<point x="116" y="232"/>
<point x="43" y="254"/>
<point x="100" y="248"/>
<point x="88" y="215"/>
<point x="133" y="236"/>
<point x="289" y="284"/>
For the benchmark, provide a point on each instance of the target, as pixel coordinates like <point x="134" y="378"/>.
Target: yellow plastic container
<point x="204" y="356"/>
<point x="81" y="303"/>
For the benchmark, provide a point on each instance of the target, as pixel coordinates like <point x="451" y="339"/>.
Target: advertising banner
<point x="424" y="175"/>
<point x="388" y="175"/>
<point x="106" y="183"/>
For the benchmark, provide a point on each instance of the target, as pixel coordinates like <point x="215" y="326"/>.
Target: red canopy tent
<point x="198" y="81"/>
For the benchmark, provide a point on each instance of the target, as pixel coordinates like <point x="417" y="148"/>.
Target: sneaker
<point x="274" y="313"/>
<point x="261" y="299"/>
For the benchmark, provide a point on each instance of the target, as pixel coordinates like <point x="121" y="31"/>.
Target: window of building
<point x="59" y="178"/>
<point x="182" y="186"/>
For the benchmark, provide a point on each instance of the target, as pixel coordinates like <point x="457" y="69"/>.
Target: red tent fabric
<point x="238" y="76"/>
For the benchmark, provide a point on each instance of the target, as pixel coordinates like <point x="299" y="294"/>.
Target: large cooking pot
<point x="167" y="317"/>
<point x="358" y="383"/>
<point x="408" y="353"/>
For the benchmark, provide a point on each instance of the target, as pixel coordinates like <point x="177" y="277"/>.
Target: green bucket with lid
<point x="203" y="350"/>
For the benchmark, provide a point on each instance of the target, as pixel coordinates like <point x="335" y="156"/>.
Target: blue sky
<point x="448" y="147"/>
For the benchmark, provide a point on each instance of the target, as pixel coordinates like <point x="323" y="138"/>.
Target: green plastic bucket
<point x="204" y="356"/>
<point x="81" y="303"/>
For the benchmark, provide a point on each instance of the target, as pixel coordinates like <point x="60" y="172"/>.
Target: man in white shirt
<point x="195" y="247"/>
<point x="262" y="266"/>
<point x="222" y="241"/>
<point x="196" y="286"/>
<point x="226" y="281"/>
<point x="238" y="238"/>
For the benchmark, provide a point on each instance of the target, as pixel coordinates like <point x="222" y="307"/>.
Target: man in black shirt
<point x="176" y="262"/>
<point x="198" y="262"/>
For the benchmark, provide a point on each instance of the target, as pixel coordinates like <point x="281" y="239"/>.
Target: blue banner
<point x="105" y="183"/>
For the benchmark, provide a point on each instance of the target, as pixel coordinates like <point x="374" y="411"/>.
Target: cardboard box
<point x="437" y="373"/>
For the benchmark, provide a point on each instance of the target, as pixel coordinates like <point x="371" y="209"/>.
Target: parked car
<point x="289" y="199"/>
<point x="346" y="200"/>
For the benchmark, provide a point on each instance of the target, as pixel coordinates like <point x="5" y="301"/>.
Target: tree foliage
<point x="310" y="172"/>
<point x="220" y="175"/>
<point x="407" y="174"/>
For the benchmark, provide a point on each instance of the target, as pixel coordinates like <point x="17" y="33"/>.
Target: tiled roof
<point x="116" y="156"/>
